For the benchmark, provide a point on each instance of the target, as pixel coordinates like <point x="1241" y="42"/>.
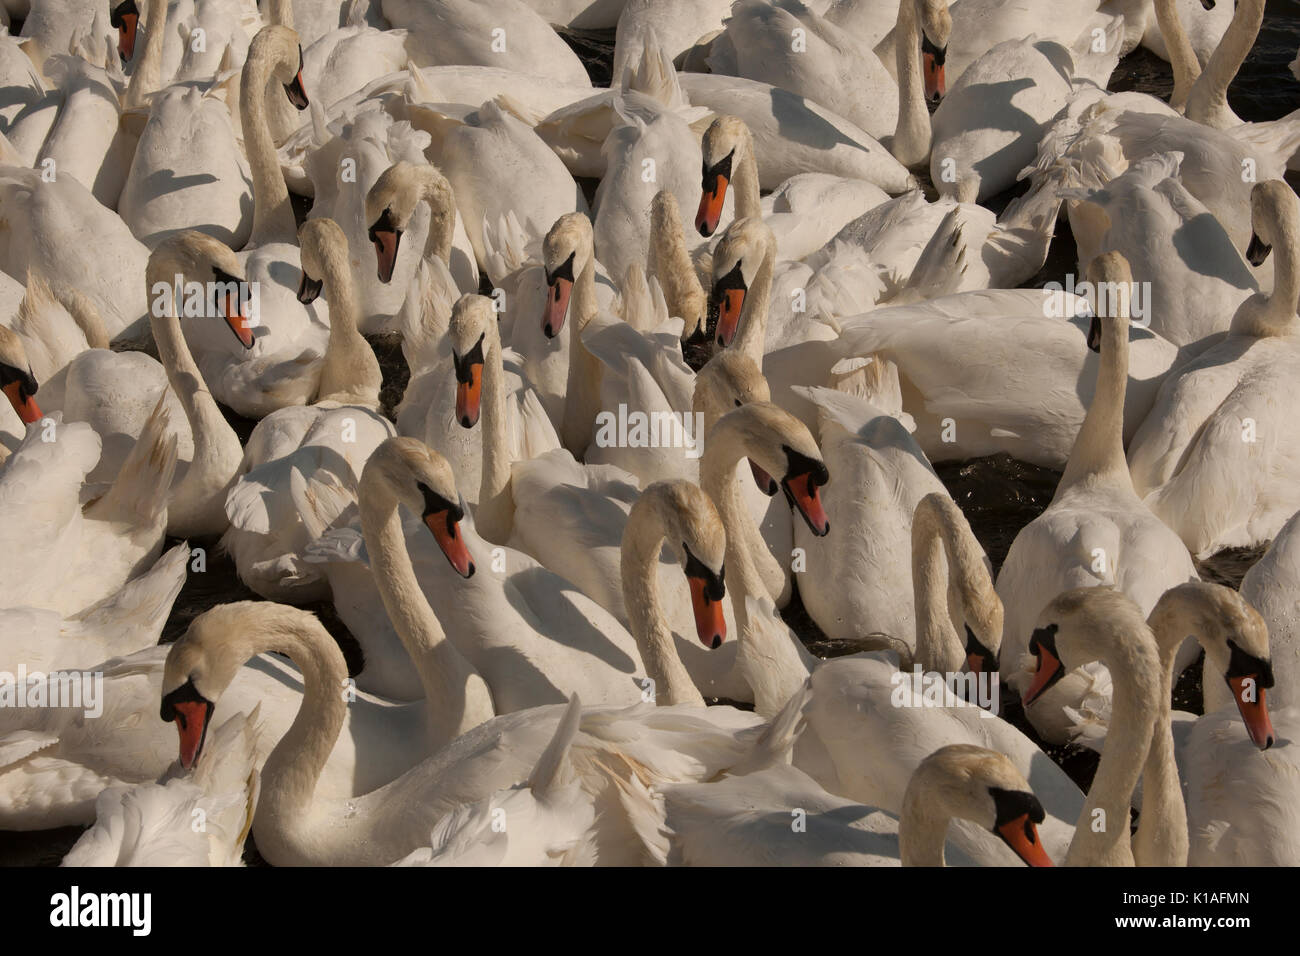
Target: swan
<point x="1033" y="407"/>
<point x="446" y="268"/>
<point x="832" y="67"/>
<point x="196" y="507"/>
<point x="746" y="820"/>
<point x="1096" y="531"/>
<point x="154" y="824"/>
<point x="301" y="466"/>
<point x="1209" y="458"/>
<point x="1271" y="586"/>
<point x="75" y="556"/>
<point x="1083" y="625"/>
<point x="676" y="26"/>
<point x="295" y="824"/>
<point x="1168" y="39"/>
<point x="1188" y="262"/>
<point x="120" y="624"/>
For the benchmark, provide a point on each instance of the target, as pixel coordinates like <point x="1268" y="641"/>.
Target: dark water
<point x="998" y="494"/>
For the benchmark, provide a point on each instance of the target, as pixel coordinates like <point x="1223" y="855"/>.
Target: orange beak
<point x="192" y="725"/>
<point x="1254" y="713"/>
<point x="803" y="494"/>
<point x="238" y="322"/>
<point x="710" y="626"/>
<point x="26" y="407"/>
<point x="709" y="214"/>
<point x="447" y="533"/>
<point x="468" y="397"/>
<point x="126" y="36"/>
<point x="557" y="306"/>
<point x="935" y="87"/>
<point x="1048" y="667"/>
<point x="385" y="241"/>
<point x="1022" y="836"/>
<point x="729" y="308"/>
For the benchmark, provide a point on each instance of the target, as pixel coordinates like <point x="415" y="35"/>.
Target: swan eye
<point x="1243" y="664"/>
<point x="564" y="271"/>
<point x="739" y="403"/>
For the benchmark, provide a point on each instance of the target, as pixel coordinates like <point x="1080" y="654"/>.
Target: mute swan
<point x="1096" y="531"/>
<point x="119" y="624"/>
<point x="196" y="507"/>
<point x="1272" y="586"/>
<point x="786" y="44"/>
<point x="1211" y="458"/>
<point x="294" y="824"/>
<point x="88" y="139"/>
<point x="746" y="820"/>
<point x="674" y="25"/>
<point x="1033" y="406"/>
<point x="75" y="556"/>
<point x="301" y="466"/>
<point x="1168" y="39"/>
<point x="506" y="33"/>
<point x="1089" y="624"/>
<point x="199" y="820"/>
<point x="1193" y="277"/>
<point x="444" y="271"/>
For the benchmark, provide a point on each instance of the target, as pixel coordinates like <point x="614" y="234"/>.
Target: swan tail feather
<point x="139" y="494"/>
<point x="140" y="609"/>
<point x="553" y="770"/>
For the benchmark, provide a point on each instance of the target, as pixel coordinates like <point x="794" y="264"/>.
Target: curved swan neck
<point x="582" y="396"/>
<point x="944" y="564"/>
<point x="751" y="340"/>
<point x="495" y="516"/>
<point x="922" y="831"/>
<point x="1208" y="100"/>
<point x="1278" y="316"/>
<point x="749" y="204"/>
<point x="670" y="262"/>
<point x="643" y="537"/>
<point x="350" y="372"/>
<point x="436" y="192"/>
<point x="147" y="77"/>
<point x="912" y="136"/>
<point x="1182" y="58"/>
<point x="1103" y="839"/>
<point x="292" y="770"/>
<point x="273" y="219"/>
<point x="449" y="681"/>
<point x="1098" y="451"/>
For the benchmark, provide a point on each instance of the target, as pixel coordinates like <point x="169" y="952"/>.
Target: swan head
<point x="983" y="786"/>
<point x="472" y="318"/>
<point x="1112" y="282"/>
<point x="208" y="656"/>
<point x="778" y="444"/>
<point x="16" y="379"/>
<point x="729" y="380"/>
<point x="1078" y="627"/>
<point x="566" y="253"/>
<point x="1272" y="215"/>
<point x="392" y="201"/>
<point x="415" y="475"/>
<point x="319" y="240"/>
<point x="936" y="29"/>
<point x="698" y="543"/>
<point x="197" y="257"/>
<point x="736" y="262"/>
<point x="125" y="19"/>
<point x="1235" y="638"/>
<point x="279" y="48"/>
<point x="724" y="147"/>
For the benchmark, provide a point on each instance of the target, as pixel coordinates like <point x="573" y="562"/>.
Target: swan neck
<point x="350" y="372"/>
<point x="752" y="338"/>
<point x="1098" y="450"/>
<point x="745" y="546"/>
<point x="445" y="675"/>
<point x="670" y="262"/>
<point x="749" y="204"/>
<point x="147" y="77"/>
<point x="921" y="831"/>
<point x="582" y="401"/>
<point x="1182" y="58"/>
<point x="436" y="192"/>
<point x="938" y="645"/>
<point x="912" y="136"/>
<point x="273" y="219"/>
<point x="1208" y="100"/>
<point x="495" y="516"/>
<point x="639" y="567"/>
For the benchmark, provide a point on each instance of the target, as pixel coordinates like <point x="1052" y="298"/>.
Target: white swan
<point x="301" y="466"/>
<point x="1096" y="531"/>
<point x="1210" y="458"/>
<point x="1272" y="586"/>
